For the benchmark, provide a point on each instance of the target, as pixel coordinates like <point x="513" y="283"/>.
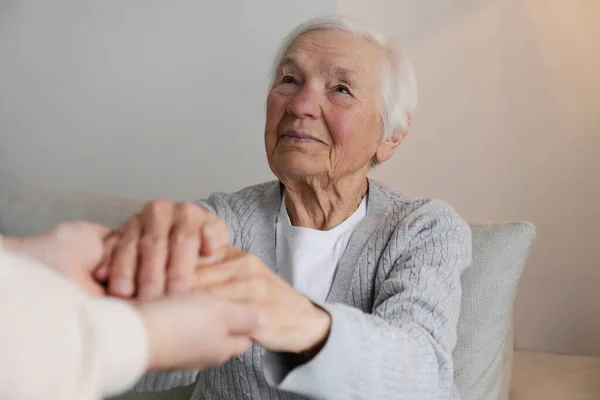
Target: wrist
<point x="154" y="359"/>
<point x="321" y="330"/>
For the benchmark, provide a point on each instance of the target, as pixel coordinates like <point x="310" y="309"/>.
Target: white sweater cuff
<point x="124" y="345"/>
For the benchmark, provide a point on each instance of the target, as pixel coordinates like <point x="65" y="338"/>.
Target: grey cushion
<point x="484" y="347"/>
<point x="482" y="355"/>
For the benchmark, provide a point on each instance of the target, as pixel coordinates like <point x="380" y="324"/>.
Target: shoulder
<point x="413" y="214"/>
<point x="424" y="230"/>
<point x="399" y="202"/>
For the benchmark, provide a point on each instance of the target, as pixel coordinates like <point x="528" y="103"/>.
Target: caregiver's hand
<point x="74" y="249"/>
<point x="295" y="324"/>
<point x="197" y="330"/>
<point x="155" y="252"/>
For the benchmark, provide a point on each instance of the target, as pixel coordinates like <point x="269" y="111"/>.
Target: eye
<point x="289" y="80"/>
<point x="342" y="89"/>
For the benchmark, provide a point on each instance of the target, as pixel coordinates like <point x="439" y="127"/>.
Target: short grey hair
<point x="399" y="84"/>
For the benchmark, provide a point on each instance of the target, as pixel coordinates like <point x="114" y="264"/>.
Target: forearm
<point x="366" y="357"/>
<point x="59" y="342"/>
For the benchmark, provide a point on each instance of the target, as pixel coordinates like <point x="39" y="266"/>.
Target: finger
<point x="184" y="247"/>
<point x="216" y="258"/>
<point x="110" y="244"/>
<point x="101" y="274"/>
<point x="215" y="235"/>
<point x="224" y="254"/>
<point x="219" y="273"/>
<point x="124" y="260"/>
<point x="244" y="320"/>
<point x="157" y="219"/>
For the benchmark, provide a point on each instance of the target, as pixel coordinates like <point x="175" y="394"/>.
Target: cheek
<point x="275" y="111"/>
<point x="355" y="133"/>
<point x="345" y="127"/>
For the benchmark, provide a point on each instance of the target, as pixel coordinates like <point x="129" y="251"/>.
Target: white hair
<point x="398" y="84"/>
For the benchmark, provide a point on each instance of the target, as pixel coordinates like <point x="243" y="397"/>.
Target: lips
<point x="299" y="135"/>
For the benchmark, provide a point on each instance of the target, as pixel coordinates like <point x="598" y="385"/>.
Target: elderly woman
<point x="361" y="283"/>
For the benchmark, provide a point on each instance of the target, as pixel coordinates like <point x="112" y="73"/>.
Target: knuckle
<point x="149" y="277"/>
<point x="189" y="210"/>
<point x="127" y="244"/>
<point x="120" y="273"/>
<point x="183" y="237"/>
<point x="151" y="240"/>
<point x="130" y="225"/>
<point x="157" y="207"/>
<point x="176" y="274"/>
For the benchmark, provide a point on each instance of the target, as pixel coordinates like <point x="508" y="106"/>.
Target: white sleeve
<point x="56" y="342"/>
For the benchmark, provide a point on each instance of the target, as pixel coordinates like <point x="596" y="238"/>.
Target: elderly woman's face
<point x="323" y="112"/>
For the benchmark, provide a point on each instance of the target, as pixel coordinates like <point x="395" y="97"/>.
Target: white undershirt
<point x="307" y="258"/>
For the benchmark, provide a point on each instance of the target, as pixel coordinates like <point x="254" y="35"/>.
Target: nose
<point x="305" y="103"/>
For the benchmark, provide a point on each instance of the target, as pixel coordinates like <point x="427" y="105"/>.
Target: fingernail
<point x="148" y="292"/>
<point x="121" y="286"/>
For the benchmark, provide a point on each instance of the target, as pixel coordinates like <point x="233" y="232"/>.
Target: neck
<point x="312" y="203"/>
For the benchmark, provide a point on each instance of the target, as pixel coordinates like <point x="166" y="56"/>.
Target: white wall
<point x="142" y="98"/>
<point x="508" y="128"/>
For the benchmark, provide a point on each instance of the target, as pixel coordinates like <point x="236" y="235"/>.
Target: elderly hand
<point x="155" y="252"/>
<point x="295" y="324"/>
<point x="74" y="249"/>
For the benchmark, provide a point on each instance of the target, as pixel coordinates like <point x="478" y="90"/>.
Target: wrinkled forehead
<point x="337" y="53"/>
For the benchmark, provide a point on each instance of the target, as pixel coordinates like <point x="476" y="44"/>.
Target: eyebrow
<point x="288" y="61"/>
<point x="343" y="74"/>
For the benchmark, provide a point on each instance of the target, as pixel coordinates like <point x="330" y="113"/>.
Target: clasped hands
<point x="168" y="249"/>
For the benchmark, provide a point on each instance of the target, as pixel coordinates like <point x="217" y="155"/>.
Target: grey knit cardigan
<point x="394" y="302"/>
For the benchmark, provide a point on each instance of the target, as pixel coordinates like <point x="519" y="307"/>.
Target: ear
<point x="386" y="149"/>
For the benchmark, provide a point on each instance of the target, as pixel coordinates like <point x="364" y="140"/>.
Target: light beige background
<point x="153" y="98"/>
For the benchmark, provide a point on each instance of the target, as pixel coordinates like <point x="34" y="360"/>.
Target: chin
<point x="295" y="168"/>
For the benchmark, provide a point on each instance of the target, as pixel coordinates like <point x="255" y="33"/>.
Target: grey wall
<point x="142" y="98"/>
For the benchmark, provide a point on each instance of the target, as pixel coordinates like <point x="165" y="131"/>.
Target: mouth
<point x="299" y="136"/>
